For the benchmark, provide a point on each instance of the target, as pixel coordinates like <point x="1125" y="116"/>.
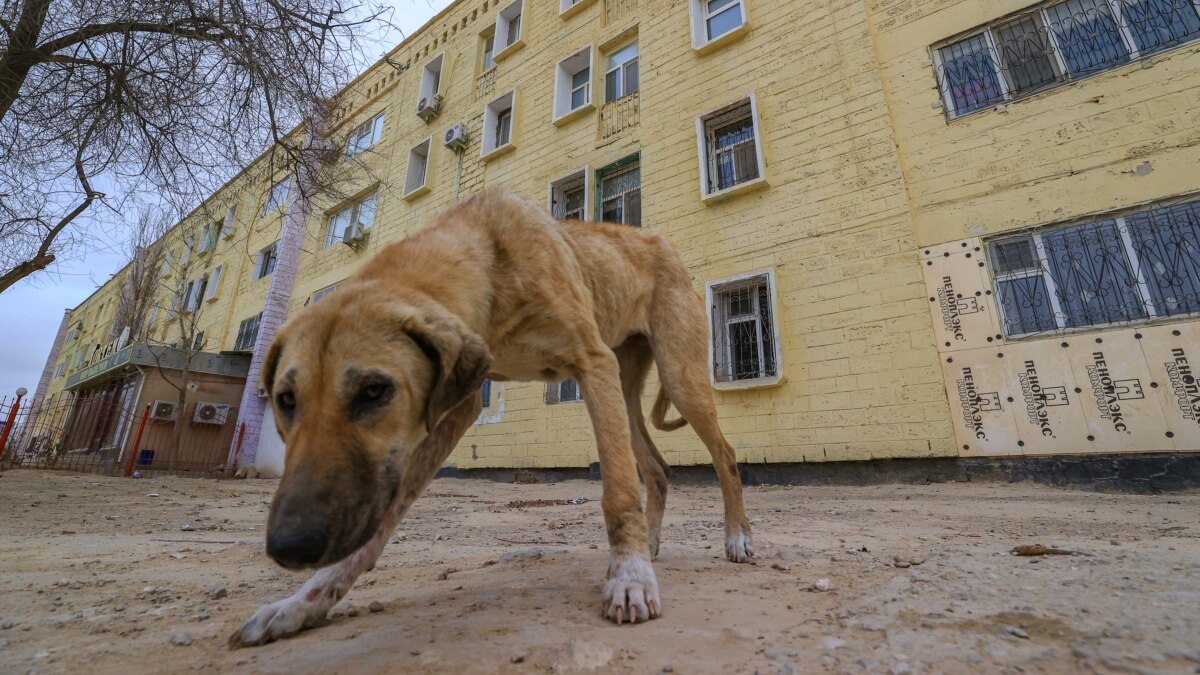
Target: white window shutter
<point x="214" y="280"/>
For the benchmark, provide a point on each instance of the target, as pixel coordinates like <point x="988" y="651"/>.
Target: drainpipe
<point x="39" y="393"/>
<point x="279" y="296"/>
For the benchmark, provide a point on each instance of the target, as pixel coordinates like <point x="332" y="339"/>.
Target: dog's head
<point x="356" y="383"/>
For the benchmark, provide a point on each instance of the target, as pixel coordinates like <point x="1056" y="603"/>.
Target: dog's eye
<point x="373" y="391"/>
<point x="287" y="400"/>
<point x="371" y="396"/>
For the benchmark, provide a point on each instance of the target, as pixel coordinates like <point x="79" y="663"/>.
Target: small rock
<point x="187" y="527"/>
<point x="830" y="643"/>
<point x="7" y="623"/>
<point x="181" y="639"/>
<point x="517" y="658"/>
<point x="782" y="567"/>
<point x="901" y="669"/>
<point x="583" y="654"/>
<point x="445" y="573"/>
<point x="1013" y="630"/>
<point x="917" y="560"/>
<point x="521" y="556"/>
<point x="375" y="606"/>
<point x="119" y="608"/>
<point x="901" y="563"/>
<point x="217" y="592"/>
<point x="352" y="611"/>
<point x="668" y="668"/>
<point x="821" y="585"/>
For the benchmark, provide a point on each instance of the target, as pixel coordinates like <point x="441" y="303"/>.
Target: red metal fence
<point x="101" y="432"/>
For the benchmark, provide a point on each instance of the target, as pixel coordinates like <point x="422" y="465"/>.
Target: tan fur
<point x="496" y="287"/>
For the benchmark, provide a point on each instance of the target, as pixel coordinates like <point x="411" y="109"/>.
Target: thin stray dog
<point x="373" y="388"/>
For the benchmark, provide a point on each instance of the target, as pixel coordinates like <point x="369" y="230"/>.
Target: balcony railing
<point x="619" y="115"/>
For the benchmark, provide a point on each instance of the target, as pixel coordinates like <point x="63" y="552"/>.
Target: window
<point x="508" y="30"/>
<point x="569" y="8"/>
<point x="730" y="147"/>
<point x="1055" y="43"/>
<point x="230" y="222"/>
<point x="360" y="215"/>
<point x="620" y="187"/>
<point x="198" y="342"/>
<point x="568" y="197"/>
<point x="168" y="265"/>
<point x="278" y="195"/>
<point x="214" y="282"/>
<point x="485" y="393"/>
<point x="323" y="292"/>
<point x="431" y="82"/>
<point x="497" y="124"/>
<point x="58" y="372"/>
<point x="247" y="333"/>
<point x="194" y="293"/>
<point x="489" y="49"/>
<point x="208" y="237"/>
<point x="744" y="345"/>
<point x="365" y="136"/>
<point x="265" y="264"/>
<point x="566" y="391"/>
<point x="1138" y="266"/>
<point x="418" y="168"/>
<point x="713" y="19"/>
<point x="621" y="75"/>
<point x="573" y="83"/>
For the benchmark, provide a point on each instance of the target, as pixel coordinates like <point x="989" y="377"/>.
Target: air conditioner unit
<point x="210" y="413"/>
<point x="427" y="108"/>
<point x="354" y="236"/>
<point x="456" y="137"/>
<point x="162" y="410"/>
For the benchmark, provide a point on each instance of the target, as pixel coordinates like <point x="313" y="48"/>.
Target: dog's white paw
<point x="739" y="547"/>
<point x="631" y="592"/>
<point x="276" y="621"/>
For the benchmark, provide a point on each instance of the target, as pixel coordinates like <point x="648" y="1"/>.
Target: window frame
<point x="622" y="69"/>
<point x="488" y="146"/>
<point x="504" y="21"/>
<point x="273" y="201"/>
<point x="366" y="135"/>
<point x="320" y="293"/>
<point x="568" y="9"/>
<point x="611" y="170"/>
<point x="565" y="88"/>
<point x="229" y="226"/>
<point x="431" y="82"/>
<point x="1063" y="75"/>
<point x="705" y="139"/>
<point x="487" y="55"/>
<point x="556" y="185"/>
<point x="213" y="286"/>
<point x="411" y="191"/>
<point x="715" y="286"/>
<point x="1136" y="267"/>
<point x="268" y="256"/>
<point x="699" y="16"/>
<point x="353" y="209"/>
<point x="239" y="342"/>
<point x="556" y="398"/>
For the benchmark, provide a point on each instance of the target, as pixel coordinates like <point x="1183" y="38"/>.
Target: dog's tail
<point x="658" y="414"/>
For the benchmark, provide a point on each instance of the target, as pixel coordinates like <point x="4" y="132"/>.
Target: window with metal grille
<point x="1056" y="42"/>
<point x="1138" y="266"/>
<point x="620" y="188"/>
<point x="366" y="135"/>
<point x="621" y="76"/>
<point x="566" y="391"/>
<point x="568" y="197"/>
<point x="743" y="330"/>
<point x="247" y="333"/>
<point x="730" y="147"/>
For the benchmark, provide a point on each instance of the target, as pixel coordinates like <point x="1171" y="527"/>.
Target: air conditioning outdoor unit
<point x="427" y="108"/>
<point x="210" y="413"/>
<point x="456" y="137"/>
<point x="162" y="410"/>
<point x="354" y="236"/>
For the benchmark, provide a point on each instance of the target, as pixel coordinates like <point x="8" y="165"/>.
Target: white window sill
<point x="757" y="383"/>
<point x="212" y="299"/>
<point x="502" y="150"/>
<point x="721" y="196"/>
<point x="412" y="196"/>
<point x="572" y="11"/>
<point x="508" y="51"/>
<point x="717" y="43"/>
<point x="574" y="114"/>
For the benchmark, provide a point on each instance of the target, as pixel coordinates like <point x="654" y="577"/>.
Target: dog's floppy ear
<point x="460" y="361"/>
<point x="270" y="363"/>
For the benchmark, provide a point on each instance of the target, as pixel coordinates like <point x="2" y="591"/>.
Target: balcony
<point x="619" y="115"/>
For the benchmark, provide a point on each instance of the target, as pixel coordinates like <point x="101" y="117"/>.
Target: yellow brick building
<point x="889" y="206"/>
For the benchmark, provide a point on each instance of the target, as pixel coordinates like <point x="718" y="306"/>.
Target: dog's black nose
<point x="296" y="547"/>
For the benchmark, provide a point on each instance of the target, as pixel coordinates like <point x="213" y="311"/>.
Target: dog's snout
<point x="300" y="546"/>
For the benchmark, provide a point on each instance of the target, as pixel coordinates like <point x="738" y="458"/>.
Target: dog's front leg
<point x="308" y="606"/>
<point x="631" y="592"/>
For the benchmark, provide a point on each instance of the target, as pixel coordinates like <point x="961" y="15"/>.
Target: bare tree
<point x="139" y="279"/>
<point x="100" y="100"/>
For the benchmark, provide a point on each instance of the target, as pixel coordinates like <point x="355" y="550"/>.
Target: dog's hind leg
<point x="631" y="592"/>
<point x="635" y="356"/>
<point x="308" y="606"/>
<point x="680" y="343"/>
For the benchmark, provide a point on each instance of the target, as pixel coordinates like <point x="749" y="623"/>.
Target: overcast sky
<point x="31" y="311"/>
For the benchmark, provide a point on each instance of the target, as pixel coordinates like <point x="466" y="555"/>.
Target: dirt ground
<point x="102" y="575"/>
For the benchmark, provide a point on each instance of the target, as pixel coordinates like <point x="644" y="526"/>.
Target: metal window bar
<point x="743" y="336"/>
<point x="566" y="391"/>
<point x="621" y="195"/>
<point x="1054" y="43"/>
<point x="732" y="153"/>
<point x="1130" y="268"/>
<point x="568" y="200"/>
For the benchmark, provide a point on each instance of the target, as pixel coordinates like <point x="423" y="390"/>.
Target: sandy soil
<point x="98" y="576"/>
